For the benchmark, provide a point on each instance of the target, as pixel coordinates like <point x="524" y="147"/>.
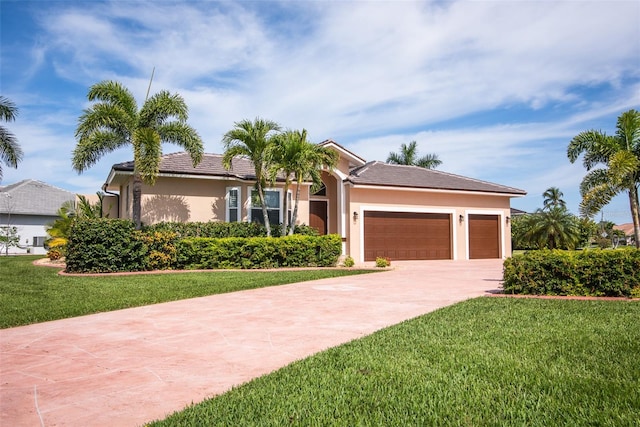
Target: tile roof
<point x="626" y="228"/>
<point x="31" y="197"/>
<point x="383" y="174"/>
<point x="211" y="165"/>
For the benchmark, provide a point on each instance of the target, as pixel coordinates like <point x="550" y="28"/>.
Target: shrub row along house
<point x="378" y="209"/>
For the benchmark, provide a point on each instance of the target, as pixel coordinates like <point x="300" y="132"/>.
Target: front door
<point x="318" y="215"/>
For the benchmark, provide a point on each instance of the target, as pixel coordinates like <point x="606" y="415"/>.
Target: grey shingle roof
<point x="31" y="197"/>
<point x="384" y="174"/>
<point x="211" y="165"/>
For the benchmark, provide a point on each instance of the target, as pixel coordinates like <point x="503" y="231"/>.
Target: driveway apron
<point x="128" y="367"/>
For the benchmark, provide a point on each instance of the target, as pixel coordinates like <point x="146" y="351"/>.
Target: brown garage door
<point x="484" y="236"/>
<point x="406" y="235"/>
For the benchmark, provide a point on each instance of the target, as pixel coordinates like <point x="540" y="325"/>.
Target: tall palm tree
<point x="553" y="197"/>
<point x="114" y="121"/>
<point x="252" y="140"/>
<point x="10" y="151"/>
<point x="296" y="157"/>
<point x="619" y="156"/>
<point x="408" y="155"/>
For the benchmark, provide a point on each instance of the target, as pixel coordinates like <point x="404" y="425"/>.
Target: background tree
<point x="408" y="155"/>
<point x="10" y="151"/>
<point x="555" y="228"/>
<point x="619" y="156"/>
<point x="553" y="198"/>
<point x="252" y="140"/>
<point x="114" y="121"/>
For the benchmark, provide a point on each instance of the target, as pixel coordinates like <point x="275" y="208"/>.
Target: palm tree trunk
<point x="635" y="215"/>
<point x="285" y="204"/>
<point x="137" y="200"/>
<point x="265" y="214"/>
<point x="294" y="216"/>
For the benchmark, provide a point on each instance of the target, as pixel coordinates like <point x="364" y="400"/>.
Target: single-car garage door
<point x="484" y="234"/>
<point x="406" y="235"/>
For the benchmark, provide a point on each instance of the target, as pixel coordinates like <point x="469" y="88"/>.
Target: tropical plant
<point x="297" y="158"/>
<point x="252" y="140"/>
<point x="553" y="198"/>
<point x="60" y="229"/>
<point x="619" y="156"/>
<point x="408" y="155"/>
<point x="10" y="151"/>
<point x="555" y="228"/>
<point x="114" y="120"/>
<point x="87" y="209"/>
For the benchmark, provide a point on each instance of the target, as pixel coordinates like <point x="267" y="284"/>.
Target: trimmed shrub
<point x="259" y="252"/>
<point x="348" y="262"/>
<point x="105" y="245"/>
<point x="383" y="262"/>
<point x="593" y="273"/>
<point x="161" y="249"/>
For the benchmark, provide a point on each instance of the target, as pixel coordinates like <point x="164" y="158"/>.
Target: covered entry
<point x="406" y="235"/>
<point x="484" y="236"/>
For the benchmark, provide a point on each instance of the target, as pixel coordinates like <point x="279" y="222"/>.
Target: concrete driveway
<point x="128" y="367"/>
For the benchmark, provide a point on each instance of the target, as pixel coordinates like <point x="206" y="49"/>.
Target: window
<point x="233" y="204"/>
<point x="272" y="200"/>
<point x="38" y="241"/>
<point x="322" y="191"/>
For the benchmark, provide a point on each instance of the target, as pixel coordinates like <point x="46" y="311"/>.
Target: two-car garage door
<point x="406" y="235"/>
<point x="423" y="236"/>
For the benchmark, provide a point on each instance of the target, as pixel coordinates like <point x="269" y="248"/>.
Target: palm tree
<point x="619" y="155"/>
<point x="408" y="155"/>
<point x="555" y="228"/>
<point x="114" y="121"/>
<point x="294" y="156"/>
<point x="553" y="197"/>
<point x="252" y="139"/>
<point x="10" y="151"/>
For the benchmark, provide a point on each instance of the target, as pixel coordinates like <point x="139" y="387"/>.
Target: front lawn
<point x="483" y="362"/>
<point x="32" y="294"/>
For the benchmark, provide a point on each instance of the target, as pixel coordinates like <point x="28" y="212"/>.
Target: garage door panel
<point x="406" y="235"/>
<point x="484" y="236"/>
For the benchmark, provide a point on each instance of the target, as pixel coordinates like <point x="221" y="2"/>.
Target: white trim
<point x="501" y="219"/>
<point x="435" y="190"/>
<point x="350" y="156"/>
<point x="279" y="190"/>
<point x="226" y="203"/>
<point x="452" y="212"/>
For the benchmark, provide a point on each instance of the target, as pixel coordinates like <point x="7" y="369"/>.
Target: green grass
<point x="32" y="294"/>
<point x="483" y="362"/>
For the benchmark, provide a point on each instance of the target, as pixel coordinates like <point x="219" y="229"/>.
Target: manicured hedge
<point x="591" y="272"/>
<point x="112" y="245"/>
<point x="105" y="246"/>
<point x="259" y="252"/>
<point x="224" y="229"/>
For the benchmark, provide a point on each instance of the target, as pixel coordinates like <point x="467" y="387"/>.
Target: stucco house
<point x="379" y="210"/>
<point x="30" y="205"/>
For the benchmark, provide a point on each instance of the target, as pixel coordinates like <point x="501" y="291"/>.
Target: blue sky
<point x="496" y="88"/>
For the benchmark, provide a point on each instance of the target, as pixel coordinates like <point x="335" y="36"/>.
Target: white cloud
<point x="371" y="75"/>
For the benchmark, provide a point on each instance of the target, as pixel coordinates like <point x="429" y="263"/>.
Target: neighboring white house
<point x="30" y="205"/>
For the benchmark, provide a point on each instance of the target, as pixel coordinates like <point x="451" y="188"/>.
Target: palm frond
<point x="184" y="136"/>
<point x="162" y="106"/>
<point x="90" y="149"/>
<point x="8" y="110"/>
<point x="147" y="150"/>
<point x="115" y="93"/>
<point x="584" y="142"/>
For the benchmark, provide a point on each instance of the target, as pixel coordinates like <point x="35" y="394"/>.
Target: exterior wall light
<point x="461" y="219"/>
<point x="355" y="216"/>
<point x="508" y="219"/>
